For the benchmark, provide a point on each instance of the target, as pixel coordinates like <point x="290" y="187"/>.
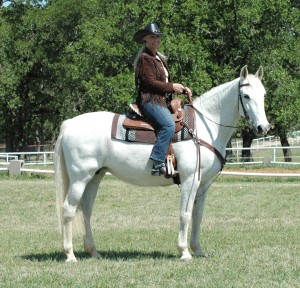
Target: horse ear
<point x="244" y="73"/>
<point x="260" y="73"/>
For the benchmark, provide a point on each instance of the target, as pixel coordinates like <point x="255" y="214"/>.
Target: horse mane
<point x="212" y="100"/>
<point x="218" y="91"/>
<point x="214" y="93"/>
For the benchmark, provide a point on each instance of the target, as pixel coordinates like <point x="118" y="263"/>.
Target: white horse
<point x="85" y="152"/>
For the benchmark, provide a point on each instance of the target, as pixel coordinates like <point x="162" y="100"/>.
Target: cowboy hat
<point x="150" y="28"/>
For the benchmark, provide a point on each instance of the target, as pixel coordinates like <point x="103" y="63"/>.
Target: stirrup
<point x="171" y="172"/>
<point x="159" y="169"/>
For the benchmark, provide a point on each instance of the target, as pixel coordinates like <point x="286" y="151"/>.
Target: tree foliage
<point x="61" y="58"/>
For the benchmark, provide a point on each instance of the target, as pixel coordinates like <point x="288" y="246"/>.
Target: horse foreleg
<point x="188" y="193"/>
<point x="196" y="222"/>
<point x="87" y="203"/>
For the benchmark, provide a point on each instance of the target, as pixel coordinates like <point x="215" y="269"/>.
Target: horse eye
<point x="246" y="96"/>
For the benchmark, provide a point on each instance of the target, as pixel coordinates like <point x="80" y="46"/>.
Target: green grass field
<point x="250" y="232"/>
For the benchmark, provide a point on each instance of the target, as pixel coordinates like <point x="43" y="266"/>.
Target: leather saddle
<point x="139" y="122"/>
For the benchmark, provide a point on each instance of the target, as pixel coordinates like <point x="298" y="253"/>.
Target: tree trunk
<point x="287" y="153"/>
<point x="248" y="136"/>
<point x="229" y="152"/>
<point x="15" y="131"/>
<point x="9" y="147"/>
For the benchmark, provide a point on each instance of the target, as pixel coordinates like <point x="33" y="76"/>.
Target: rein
<point x="219" y="124"/>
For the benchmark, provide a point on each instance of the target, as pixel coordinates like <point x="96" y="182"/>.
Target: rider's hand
<point x="178" y="88"/>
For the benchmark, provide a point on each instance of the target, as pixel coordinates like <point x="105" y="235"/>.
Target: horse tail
<point x="62" y="183"/>
<point x="62" y="180"/>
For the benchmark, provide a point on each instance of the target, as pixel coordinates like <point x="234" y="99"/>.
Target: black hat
<point x="150" y="28"/>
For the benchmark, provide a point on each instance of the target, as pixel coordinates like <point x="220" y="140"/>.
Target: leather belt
<point x="161" y="99"/>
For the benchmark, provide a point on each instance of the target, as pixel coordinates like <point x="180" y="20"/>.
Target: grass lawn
<point x="250" y="232"/>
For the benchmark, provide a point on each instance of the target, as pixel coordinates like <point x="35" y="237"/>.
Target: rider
<point x="153" y="81"/>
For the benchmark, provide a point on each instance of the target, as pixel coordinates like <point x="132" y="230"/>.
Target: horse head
<point x="251" y="100"/>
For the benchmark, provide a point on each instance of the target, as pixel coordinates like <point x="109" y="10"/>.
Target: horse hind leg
<point x="70" y="206"/>
<point x="87" y="203"/>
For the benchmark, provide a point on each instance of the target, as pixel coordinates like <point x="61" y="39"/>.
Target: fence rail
<point x="30" y="158"/>
<point x="269" y="141"/>
<point x="263" y="155"/>
<point x="258" y="155"/>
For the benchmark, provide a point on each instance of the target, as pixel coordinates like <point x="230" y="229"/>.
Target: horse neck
<point x="218" y="108"/>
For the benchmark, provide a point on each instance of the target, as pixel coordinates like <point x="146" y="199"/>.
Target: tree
<point x="63" y="58"/>
<point x="18" y="58"/>
<point x="265" y="33"/>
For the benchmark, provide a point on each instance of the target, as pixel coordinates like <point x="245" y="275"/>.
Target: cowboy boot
<point x="158" y="168"/>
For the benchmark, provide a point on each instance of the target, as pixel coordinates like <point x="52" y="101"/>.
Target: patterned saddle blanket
<point x="120" y="132"/>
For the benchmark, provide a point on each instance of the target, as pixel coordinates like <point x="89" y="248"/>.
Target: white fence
<point x="258" y="155"/>
<point x="268" y="141"/>
<point x="265" y="150"/>
<point x="262" y="151"/>
<point x="30" y="158"/>
<point x="263" y="155"/>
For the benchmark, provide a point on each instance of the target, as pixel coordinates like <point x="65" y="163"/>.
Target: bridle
<point x="246" y="115"/>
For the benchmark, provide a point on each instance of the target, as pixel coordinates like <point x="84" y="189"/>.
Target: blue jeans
<point x="161" y="117"/>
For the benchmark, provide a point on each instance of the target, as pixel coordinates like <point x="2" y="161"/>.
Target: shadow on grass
<point x="110" y="255"/>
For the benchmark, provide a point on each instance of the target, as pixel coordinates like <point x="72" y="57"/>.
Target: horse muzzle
<point x="261" y="129"/>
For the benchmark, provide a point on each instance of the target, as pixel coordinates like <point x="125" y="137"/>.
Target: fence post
<point x="15" y="167"/>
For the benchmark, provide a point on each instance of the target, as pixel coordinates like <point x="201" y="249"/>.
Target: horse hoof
<point x="186" y="258"/>
<point x="71" y="260"/>
<point x="200" y="254"/>
<point x="96" y="255"/>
